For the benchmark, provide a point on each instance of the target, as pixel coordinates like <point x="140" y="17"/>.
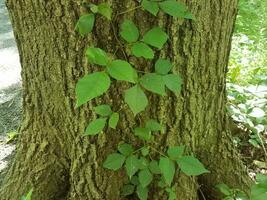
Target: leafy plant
<point x="139" y="165"/>
<point x="144" y="164"/>
<point x="258" y="190"/>
<point x="86" y="22"/>
<point x="249" y="108"/>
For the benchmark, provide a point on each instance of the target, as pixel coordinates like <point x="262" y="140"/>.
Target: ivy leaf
<point x="175" y="152"/>
<point x="145" y="177"/>
<point x="141" y="49"/>
<point x="103" y="110"/>
<point x="163" y="66"/>
<point x="173" y="8"/>
<point x="95" y="126"/>
<point x="105" y="10"/>
<point x="129" y="31"/>
<point x="162" y="183"/>
<point x="136" y="99"/>
<point x="173" y="82"/>
<point x="154" y="167"/>
<point x="189" y="15"/>
<point x="154" y="83"/>
<point x="224" y="189"/>
<point x="143" y="133"/>
<point x="127" y="190"/>
<point x="167" y="168"/>
<point x="191" y="166"/>
<point x="113" y="120"/>
<point x="142" y="192"/>
<point x="134" y="180"/>
<point x="93" y="8"/>
<point x="122" y="71"/>
<point x="97" y="56"/>
<point x="114" y="161"/>
<point x="151" y="7"/>
<point x="85" y="24"/>
<point x="145" y="151"/>
<point x="132" y="165"/>
<point x="126" y="149"/>
<point x="91" y="86"/>
<point x="153" y="125"/>
<point x="171" y="192"/>
<point x="156" y="37"/>
<point x="28" y="196"/>
<point x="143" y="163"/>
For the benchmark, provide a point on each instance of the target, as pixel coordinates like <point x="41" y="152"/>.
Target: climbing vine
<point x="143" y="164"/>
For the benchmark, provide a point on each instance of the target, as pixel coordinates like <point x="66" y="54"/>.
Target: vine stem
<point x="130" y="10"/>
<point x="120" y="44"/>
<point x="142" y="72"/>
<point x="199" y="188"/>
<point x="158" y="151"/>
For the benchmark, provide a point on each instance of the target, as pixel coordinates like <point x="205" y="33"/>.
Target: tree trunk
<point x="54" y="158"/>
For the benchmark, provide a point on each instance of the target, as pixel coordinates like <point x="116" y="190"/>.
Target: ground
<point x="10" y="87"/>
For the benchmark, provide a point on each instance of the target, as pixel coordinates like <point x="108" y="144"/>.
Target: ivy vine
<point x="143" y="164"/>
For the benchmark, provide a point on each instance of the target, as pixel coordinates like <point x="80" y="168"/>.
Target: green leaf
<point x="142" y="192"/>
<point x="167" y="168"/>
<point x="127" y="190"/>
<point x="125" y="149"/>
<point x="224" y="189"/>
<point x="85" y="24"/>
<point x="156" y="37"/>
<point x="154" y="167"/>
<point x="189" y="15"/>
<point x="162" y="183"/>
<point x="163" y="66"/>
<point x="122" y="71"/>
<point x="129" y="31"/>
<point x="95" y="126"/>
<point x="91" y="86"/>
<point x="97" y="56"/>
<point x="173" y="82"/>
<point x="154" y="83"/>
<point x="136" y="99"/>
<point x="151" y="7"/>
<point x="175" y="152"/>
<point x="191" y="166"/>
<point x="93" y="8"/>
<point x="28" y="196"/>
<point x="260" y="178"/>
<point x="105" y="10"/>
<point x="143" y="133"/>
<point x="258" y="192"/>
<point x="145" y="177"/>
<point x="134" y="180"/>
<point x="103" y="110"/>
<point x="153" y="125"/>
<point x="113" y="120"/>
<point x="173" y="8"/>
<point x="132" y="165"/>
<point x="172" y="194"/>
<point x="143" y="163"/>
<point x="114" y="161"/>
<point x="145" y="151"/>
<point x="141" y="49"/>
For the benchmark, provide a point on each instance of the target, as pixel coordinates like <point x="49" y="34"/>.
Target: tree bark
<point x="54" y="158"/>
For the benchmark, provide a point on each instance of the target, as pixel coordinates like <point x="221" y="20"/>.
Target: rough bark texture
<point x="53" y="157"/>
